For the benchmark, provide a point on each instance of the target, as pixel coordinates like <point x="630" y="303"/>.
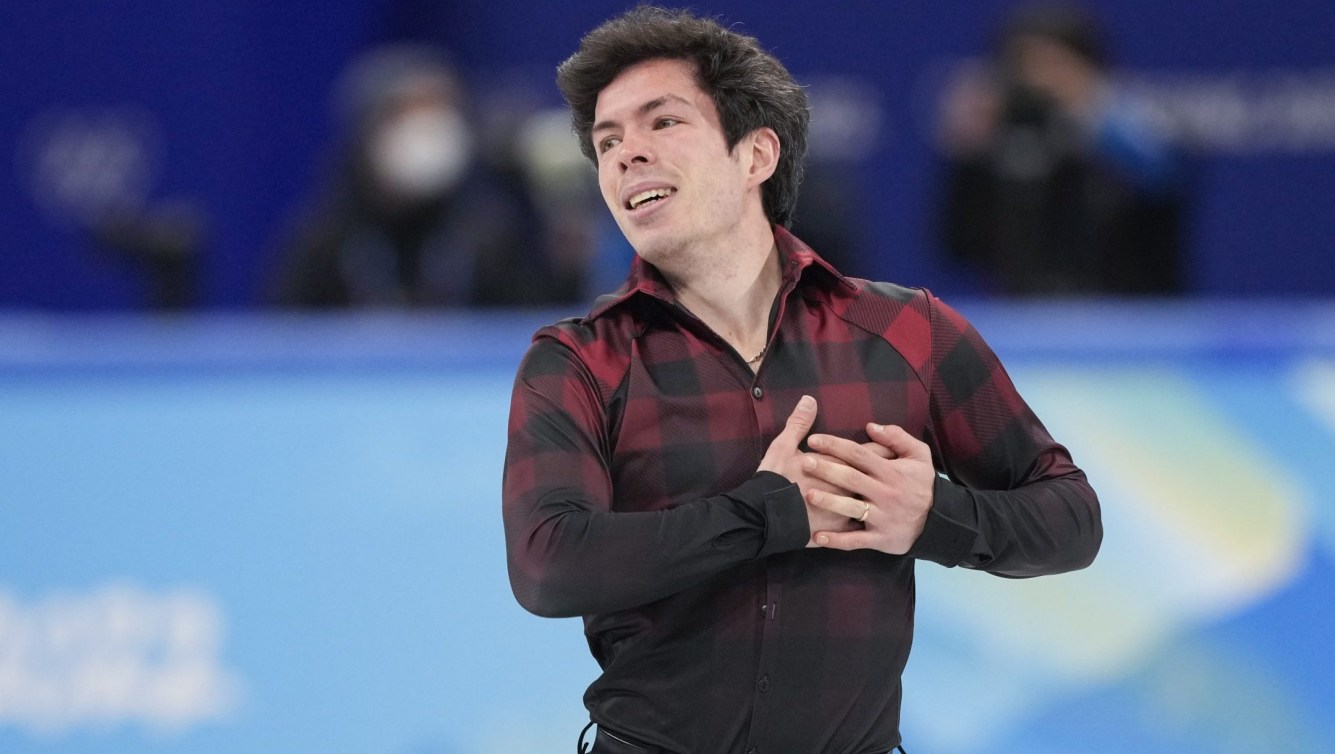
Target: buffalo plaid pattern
<point x="631" y="498"/>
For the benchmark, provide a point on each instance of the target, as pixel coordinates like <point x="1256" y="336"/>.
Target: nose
<point x="633" y="149"/>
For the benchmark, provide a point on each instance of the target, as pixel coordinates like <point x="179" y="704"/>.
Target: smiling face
<point x="664" y="168"/>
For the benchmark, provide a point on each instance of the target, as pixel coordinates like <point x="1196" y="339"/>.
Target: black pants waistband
<point x="610" y="742"/>
<point x="607" y="742"/>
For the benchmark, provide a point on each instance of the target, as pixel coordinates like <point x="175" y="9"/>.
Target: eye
<point x="608" y="143"/>
<point x="666" y="122"/>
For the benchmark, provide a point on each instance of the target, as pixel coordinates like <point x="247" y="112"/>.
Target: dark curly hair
<point x="750" y="88"/>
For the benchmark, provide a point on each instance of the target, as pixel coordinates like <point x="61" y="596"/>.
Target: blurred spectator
<point x="414" y="216"/>
<point x="847" y="114"/>
<point x="164" y="243"/>
<point x="574" y="222"/>
<point x="1056" y="183"/>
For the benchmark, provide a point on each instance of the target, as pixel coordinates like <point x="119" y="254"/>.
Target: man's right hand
<point x="783" y="458"/>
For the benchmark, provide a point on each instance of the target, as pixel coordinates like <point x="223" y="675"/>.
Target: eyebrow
<point x="644" y="109"/>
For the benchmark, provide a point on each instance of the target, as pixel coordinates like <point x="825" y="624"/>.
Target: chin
<point x="656" y="250"/>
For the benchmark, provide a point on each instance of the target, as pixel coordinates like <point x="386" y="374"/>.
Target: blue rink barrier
<point x="282" y="534"/>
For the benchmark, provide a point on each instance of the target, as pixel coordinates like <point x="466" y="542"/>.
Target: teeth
<point x="644" y="196"/>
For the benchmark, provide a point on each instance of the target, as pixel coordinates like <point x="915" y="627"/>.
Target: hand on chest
<point x="694" y="420"/>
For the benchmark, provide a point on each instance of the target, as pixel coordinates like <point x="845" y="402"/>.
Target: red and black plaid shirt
<point x="631" y="498"/>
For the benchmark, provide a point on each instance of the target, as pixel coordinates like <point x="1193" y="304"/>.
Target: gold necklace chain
<point x="758" y="356"/>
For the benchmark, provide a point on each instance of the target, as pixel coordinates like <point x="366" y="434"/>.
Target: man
<point x="742" y="593"/>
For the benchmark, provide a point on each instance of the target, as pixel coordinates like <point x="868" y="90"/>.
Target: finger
<point x="836" y="473"/>
<point x="844" y="505"/>
<point x="846" y="540"/>
<point x="854" y="454"/>
<point x="879" y="450"/>
<point x="779" y="456"/>
<point x="798" y="425"/>
<point x="899" y="441"/>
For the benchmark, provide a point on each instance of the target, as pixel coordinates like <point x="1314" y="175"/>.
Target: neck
<point x="732" y="291"/>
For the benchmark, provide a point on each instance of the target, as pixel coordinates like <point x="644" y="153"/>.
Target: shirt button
<point x="763" y="685"/>
<point x="757" y="393"/>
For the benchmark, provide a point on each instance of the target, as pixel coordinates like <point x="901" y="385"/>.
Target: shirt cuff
<point x="777" y="506"/>
<point x="951" y="530"/>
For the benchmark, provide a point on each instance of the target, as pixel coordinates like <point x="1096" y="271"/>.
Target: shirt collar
<point x="796" y="257"/>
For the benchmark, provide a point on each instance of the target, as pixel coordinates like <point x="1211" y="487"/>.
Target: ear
<point x="764" y="152"/>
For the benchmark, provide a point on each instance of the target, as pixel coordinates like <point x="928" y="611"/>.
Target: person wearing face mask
<point x="413" y="218"/>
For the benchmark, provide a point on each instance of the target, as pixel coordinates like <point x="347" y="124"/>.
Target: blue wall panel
<point x="229" y="105"/>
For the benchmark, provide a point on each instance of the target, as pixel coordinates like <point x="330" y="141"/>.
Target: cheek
<point x="607" y="187"/>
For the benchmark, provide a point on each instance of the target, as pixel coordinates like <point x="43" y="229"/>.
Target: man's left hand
<point x="891" y="495"/>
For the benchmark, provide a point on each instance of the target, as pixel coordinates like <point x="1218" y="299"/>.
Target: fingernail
<point x="878" y="427"/>
<point x="807" y="403"/>
<point x="815" y="441"/>
<point x="822" y="540"/>
<point x="808" y="464"/>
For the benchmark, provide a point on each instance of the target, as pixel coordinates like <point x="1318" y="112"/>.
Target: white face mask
<point x="422" y="153"/>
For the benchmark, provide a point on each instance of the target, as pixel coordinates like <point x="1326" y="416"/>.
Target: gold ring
<point x="866" y="508"/>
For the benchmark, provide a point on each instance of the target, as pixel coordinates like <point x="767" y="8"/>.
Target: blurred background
<point x="266" y="271"/>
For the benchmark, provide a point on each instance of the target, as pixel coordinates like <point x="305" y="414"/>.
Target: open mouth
<point x="646" y="198"/>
